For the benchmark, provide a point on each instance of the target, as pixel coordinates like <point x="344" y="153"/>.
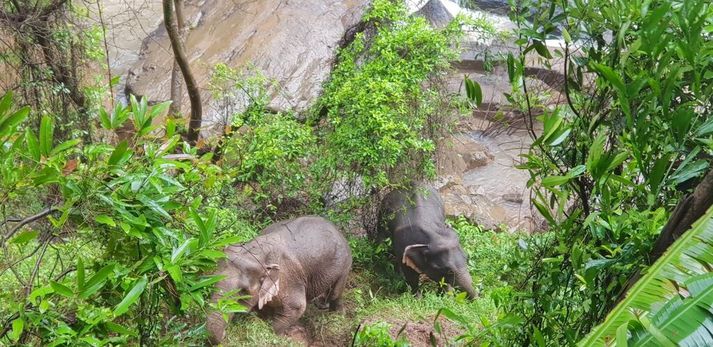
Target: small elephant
<point x="288" y="265"/>
<point x="421" y="240"/>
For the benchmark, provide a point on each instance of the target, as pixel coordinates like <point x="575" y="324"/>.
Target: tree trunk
<point x="194" y="124"/>
<point x="176" y="92"/>
<point x="688" y="210"/>
<point x="692" y="207"/>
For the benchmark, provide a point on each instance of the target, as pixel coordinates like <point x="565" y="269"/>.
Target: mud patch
<point x="421" y="333"/>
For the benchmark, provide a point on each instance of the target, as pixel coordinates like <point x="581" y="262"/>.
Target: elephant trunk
<point x="216" y="327"/>
<point x="465" y="282"/>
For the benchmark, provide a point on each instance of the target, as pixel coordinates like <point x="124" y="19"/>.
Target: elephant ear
<point x="270" y="285"/>
<point x="408" y="251"/>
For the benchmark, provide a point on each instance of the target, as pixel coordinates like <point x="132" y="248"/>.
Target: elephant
<point x="288" y="265"/>
<point x="421" y="240"/>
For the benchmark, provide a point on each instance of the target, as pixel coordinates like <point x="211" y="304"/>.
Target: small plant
<point x="378" y="335"/>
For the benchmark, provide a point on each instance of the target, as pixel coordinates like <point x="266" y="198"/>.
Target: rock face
<point x="292" y="42"/>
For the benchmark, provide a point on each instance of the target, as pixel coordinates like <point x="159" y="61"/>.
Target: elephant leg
<point x="335" y="296"/>
<point x="292" y="309"/>
<point x="412" y="278"/>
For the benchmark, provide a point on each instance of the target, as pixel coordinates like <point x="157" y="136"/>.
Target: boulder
<point x="462" y="154"/>
<point x="292" y="42"/>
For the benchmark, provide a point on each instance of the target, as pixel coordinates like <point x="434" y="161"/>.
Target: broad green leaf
<point x="61" y="289"/>
<point x="656" y="333"/>
<point x="705" y="128"/>
<point x="131" y="297"/>
<point x="46" y="135"/>
<point x="154" y="206"/>
<point x="18" y="325"/>
<point x="651" y="291"/>
<point x="33" y="145"/>
<point x="658" y="171"/>
<point x="104" y="119"/>
<point x="119" y="329"/>
<point x="104" y="219"/>
<point x="596" y="150"/>
<point x="473" y="91"/>
<point x="691" y="170"/>
<point x="182" y="249"/>
<point x="118" y="153"/>
<point x="511" y="67"/>
<point x="25" y="237"/>
<point x="80" y="273"/>
<point x="542" y="49"/>
<point x="175" y="272"/>
<point x="46" y="175"/>
<point x="544" y="211"/>
<point x="65" y="146"/>
<point x="209" y="280"/>
<point x="8" y="124"/>
<point x="97" y="281"/>
<point x="537" y="335"/>
<point x="565" y="35"/>
<point x="552" y="181"/>
<point x="622" y="338"/>
<point x="452" y="316"/>
<point x="611" y="76"/>
<point x="5" y="104"/>
<point x="39" y="293"/>
<point x="198" y="220"/>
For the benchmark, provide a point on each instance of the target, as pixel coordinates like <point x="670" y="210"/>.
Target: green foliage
<point x="271" y="151"/>
<point x="673" y="303"/>
<point x="131" y="202"/>
<point x="494" y="258"/>
<point x="379" y="114"/>
<point x="377" y="335"/>
<point x="611" y="163"/>
<point x="240" y="94"/>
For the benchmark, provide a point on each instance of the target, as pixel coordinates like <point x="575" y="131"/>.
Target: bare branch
<point x="25" y="221"/>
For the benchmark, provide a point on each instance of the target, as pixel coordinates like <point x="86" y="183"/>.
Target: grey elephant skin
<point x="288" y="265"/>
<point x="421" y="240"/>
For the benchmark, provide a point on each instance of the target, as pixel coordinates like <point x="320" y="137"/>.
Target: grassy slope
<point x="377" y="294"/>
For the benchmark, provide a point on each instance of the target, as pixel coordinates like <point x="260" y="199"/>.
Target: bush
<point x="127" y="242"/>
<point x="632" y="135"/>
<point x="377" y="335"/>
<point x="381" y="105"/>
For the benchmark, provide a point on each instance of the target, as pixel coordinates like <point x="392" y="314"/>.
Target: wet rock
<point x="292" y="42"/>
<point x="513" y="197"/>
<point x="462" y="154"/>
<point x="478" y="180"/>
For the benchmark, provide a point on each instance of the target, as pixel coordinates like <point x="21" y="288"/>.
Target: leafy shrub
<point x="611" y="162"/>
<point x="272" y="151"/>
<point x="494" y="258"/>
<point x="150" y="241"/>
<point x="377" y="335"/>
<point x="380" y="116"/>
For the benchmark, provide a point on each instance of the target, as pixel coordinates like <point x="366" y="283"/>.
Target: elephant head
<point x="250" y="277"/>
<point x="441" y="260"/>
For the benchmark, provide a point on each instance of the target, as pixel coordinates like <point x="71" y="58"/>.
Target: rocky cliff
<point x="293" y="42"/>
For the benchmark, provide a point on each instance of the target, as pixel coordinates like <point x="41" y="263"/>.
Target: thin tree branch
<point x="27" y="220"/>
<point x="194" y="124"/>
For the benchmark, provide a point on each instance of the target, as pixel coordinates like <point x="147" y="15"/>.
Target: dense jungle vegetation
<point x="112" y="218"/>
